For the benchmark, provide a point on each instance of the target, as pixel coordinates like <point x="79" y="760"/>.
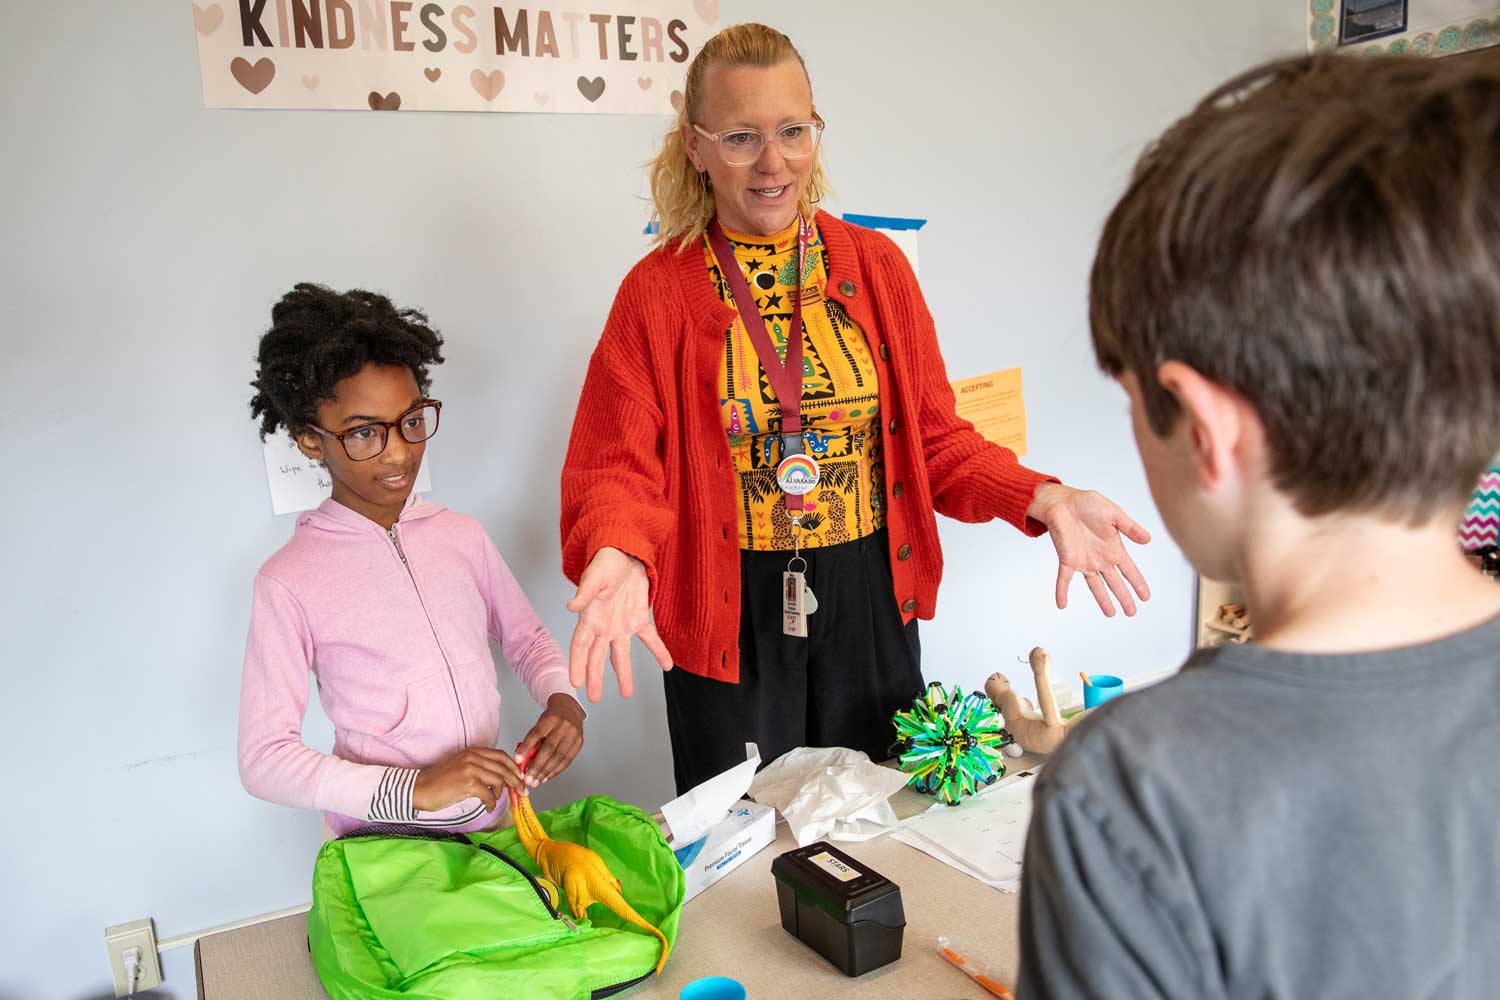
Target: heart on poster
<point x="707" y="9"/>
<point x="677" y="101"/>
<point x="645" y="82"/>
<point x="311" y="82"/>
<point x="390" y="102"/>
<point x="593" y="89"/>
<point x="432" y="73"/>
<point x="253" y="78"/>
<point x="540" y="98"/>
<point x="487" y="85"/>
<point x="207" y="19"/>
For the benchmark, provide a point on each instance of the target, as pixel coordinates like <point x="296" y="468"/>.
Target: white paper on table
<point x="298" y="483"/>
<point x="830" y="793"/>
<point x="696" y="811"/>
<point x="985" y="833"/>
<point x="1010" y="881"/>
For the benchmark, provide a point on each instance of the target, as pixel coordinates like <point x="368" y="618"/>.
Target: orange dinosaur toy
<point x="582" y="874"/>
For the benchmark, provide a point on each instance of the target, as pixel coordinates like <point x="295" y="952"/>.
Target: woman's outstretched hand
<point x="1086" y="527"/>
<point x="613" y="603"/>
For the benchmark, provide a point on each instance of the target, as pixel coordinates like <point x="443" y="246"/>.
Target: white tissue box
<point x="748" y="828"/>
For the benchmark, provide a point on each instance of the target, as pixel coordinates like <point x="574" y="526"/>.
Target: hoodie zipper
<point x="452" y="681"/>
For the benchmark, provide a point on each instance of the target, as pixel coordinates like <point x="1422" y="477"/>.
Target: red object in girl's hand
<point x="528" y="759"/>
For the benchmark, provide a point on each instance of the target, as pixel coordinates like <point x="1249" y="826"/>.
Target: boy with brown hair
<point x="1300" y="293"/>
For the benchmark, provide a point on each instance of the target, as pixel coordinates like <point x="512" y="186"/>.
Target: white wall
<point x="147" y="237"/>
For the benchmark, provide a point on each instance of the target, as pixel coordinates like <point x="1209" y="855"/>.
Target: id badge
<point x="794" y="604"/>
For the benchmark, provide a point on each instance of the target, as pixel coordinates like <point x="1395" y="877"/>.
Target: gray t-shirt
<point x="1269" y="825"/>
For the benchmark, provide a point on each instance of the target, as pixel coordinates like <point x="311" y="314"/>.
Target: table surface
<point x="732" y="929"/>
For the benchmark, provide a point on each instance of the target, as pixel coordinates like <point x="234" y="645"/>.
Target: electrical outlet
<point x="122" y="938"/>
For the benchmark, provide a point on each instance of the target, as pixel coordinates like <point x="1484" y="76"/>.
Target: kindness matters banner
<point x="625" y="57"/>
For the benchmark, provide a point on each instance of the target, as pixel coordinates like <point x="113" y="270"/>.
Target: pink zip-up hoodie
<point x="396" y="626"/>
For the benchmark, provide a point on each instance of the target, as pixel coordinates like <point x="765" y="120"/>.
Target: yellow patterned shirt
<point x="840" y="401"/>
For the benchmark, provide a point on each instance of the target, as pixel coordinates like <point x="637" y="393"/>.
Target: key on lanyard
<point x="797" y="599"/>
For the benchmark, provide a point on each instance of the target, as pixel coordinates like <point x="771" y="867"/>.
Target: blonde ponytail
<point x="680" y="194"/>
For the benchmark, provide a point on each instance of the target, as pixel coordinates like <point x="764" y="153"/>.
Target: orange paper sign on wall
<point x="995" y="405"/>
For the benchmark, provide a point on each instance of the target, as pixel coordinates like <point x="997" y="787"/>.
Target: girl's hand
<point x="1086" y="527"/>
<point x="481" y="772"/>
<point x="613" y="603"/>
<point x="557" y="737"/>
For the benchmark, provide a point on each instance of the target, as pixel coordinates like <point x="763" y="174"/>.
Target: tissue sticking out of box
<point x="694" y="813"/>
<point x="714" y="829"/>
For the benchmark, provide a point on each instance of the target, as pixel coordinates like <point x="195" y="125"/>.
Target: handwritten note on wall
<point x="298" y="483"/>
<point x="994" y="404"/>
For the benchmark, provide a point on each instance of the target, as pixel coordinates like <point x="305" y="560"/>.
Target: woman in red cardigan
<point x="786" y="552"/>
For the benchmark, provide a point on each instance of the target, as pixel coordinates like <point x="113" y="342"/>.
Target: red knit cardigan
<point x="648" y="469"/>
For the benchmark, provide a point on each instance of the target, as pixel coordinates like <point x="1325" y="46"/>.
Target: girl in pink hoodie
<point x="389" y="600"/>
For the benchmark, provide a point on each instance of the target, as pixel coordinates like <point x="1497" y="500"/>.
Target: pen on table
<point x="946" y="947"/>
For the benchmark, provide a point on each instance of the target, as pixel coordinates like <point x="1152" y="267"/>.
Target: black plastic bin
<point x="839" y="908"/>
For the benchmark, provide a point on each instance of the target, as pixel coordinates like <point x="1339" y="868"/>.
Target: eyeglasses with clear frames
<point x="364" y="442"/>
<point x="742" y="146"/>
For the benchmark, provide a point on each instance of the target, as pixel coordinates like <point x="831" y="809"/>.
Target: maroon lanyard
<point x="786" y="378"/>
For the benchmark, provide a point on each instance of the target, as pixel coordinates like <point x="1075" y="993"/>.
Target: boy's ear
<point x="310" y="444"/>
<point x="1215" y="418"/>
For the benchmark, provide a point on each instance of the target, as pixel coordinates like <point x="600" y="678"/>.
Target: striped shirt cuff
<point x="391" y="802"/>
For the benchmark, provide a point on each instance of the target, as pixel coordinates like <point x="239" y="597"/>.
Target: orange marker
<point x="946" y="947"/>
<point x="1086" y="681"/>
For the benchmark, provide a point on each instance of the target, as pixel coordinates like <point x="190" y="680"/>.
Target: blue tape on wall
<point x="883" y="221"/>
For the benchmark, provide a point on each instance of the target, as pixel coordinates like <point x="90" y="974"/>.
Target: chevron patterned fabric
<point x="1481" y="527"/>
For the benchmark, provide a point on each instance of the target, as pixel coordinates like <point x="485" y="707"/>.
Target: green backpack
<point x="443" y="916"/>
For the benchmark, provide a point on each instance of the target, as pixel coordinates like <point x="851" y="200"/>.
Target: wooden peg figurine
<point x="1036" y="732"/>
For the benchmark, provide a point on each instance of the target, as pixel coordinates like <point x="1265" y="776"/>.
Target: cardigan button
<point x="910" y="606"/>
<point x="903" y="553"/>
<point x="846" y="288"/>
<point x="898" y="489"/>
<point x="885" y="353"/>
<point x="895" y="425"/>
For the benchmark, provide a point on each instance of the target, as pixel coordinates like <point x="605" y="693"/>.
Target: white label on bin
<point x="834" y="867"/>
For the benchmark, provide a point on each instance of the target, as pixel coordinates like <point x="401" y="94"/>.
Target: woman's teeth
<point x="774" y="192"/>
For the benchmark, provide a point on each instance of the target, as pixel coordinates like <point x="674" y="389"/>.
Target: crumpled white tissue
<point x="829" y="793"/>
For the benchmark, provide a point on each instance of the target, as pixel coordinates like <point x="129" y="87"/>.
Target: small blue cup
<point x="1102" y="688"/>
<point x="713" y="988"/>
